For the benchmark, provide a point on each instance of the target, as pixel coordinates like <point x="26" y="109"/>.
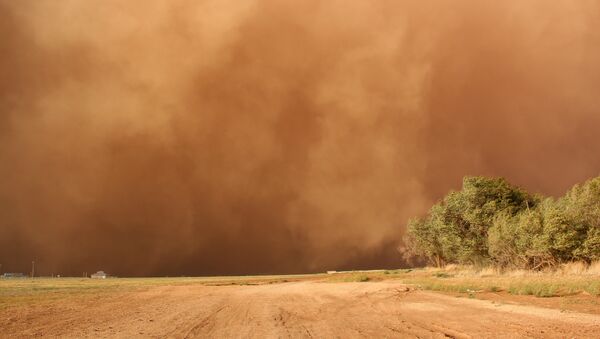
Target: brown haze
<point x="222" y="137"/>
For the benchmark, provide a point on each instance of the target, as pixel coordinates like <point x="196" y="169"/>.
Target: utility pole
<point x="32" y="269"/>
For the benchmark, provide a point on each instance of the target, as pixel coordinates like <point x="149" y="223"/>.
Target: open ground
<point x="397" y="303"/>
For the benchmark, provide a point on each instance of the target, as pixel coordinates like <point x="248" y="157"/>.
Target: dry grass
<point x="594" y="268"/>
<point x="574" y="268"/>
<point x="40" y="291"/>
<point x="573" y="278"/>
<point x="569" y="279"/>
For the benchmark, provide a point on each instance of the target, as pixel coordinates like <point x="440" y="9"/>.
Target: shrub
<point x="491" y="221"/>
<point x="456" y="229"/>
<point x="582" y="206"/>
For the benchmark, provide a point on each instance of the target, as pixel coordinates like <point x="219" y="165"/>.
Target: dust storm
<point x="240" y="137"/>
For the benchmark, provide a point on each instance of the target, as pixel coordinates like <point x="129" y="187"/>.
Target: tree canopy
<point x="490" y="221"/>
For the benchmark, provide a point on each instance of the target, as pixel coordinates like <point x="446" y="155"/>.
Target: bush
<point x="582" y="207"/>
<point x="491" y="221"/>
<point x="456" y="229"/>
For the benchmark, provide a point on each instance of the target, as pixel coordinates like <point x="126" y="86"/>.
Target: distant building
<point x="99" y="275"/>
<point x="13" y="275"/>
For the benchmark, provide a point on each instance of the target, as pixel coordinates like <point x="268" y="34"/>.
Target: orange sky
<point x="229" y="137"/>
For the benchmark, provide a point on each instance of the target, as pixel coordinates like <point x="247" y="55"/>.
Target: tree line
<point x="492" y="222"/>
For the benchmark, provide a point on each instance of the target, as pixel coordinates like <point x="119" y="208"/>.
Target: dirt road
<point x="297" y="309"/>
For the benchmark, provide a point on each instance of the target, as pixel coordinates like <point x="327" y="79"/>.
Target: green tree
<point x="581" y="206"/>
<point x="492" y="221"/>
<point x="456" y="229"/>
<point x="522" y="240"/>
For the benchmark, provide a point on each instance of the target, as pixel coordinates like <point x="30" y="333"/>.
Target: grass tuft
<point x="593" y="288"/>
<point x="542" y="290"/>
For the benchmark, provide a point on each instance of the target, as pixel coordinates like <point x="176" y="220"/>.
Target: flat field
<point x="425" y="303"/>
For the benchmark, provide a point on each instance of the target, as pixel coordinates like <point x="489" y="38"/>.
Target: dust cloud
<point x="259" y="136"/>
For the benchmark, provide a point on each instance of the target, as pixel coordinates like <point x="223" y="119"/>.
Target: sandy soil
<point x="296" y="309"/>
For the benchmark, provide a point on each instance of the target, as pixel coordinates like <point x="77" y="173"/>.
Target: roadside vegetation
<point x="567" y="279"/>
<point x="492" y="223"/>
